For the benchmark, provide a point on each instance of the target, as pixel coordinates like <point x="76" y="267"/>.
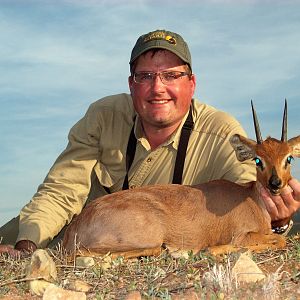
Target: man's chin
<point x="165" y="123"/>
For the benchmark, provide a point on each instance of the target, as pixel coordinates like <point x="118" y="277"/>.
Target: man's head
<point x="161" y="81"/>
<point x="162" y="39"/>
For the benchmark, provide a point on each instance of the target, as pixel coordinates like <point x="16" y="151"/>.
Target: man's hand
<point x="22" y="248"/>
<point x="9" y="250"/>
<point x="281" y="208"/>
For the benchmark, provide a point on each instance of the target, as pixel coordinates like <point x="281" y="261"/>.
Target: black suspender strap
<point x="130" y="152"/>
<point x="182" y="147"/>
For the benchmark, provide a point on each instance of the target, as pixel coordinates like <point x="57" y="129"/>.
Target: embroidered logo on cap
<point x="171" y="39"/>
<point x="160" y="35"/>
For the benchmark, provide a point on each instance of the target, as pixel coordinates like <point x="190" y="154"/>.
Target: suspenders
<point x="182" y="147"/>
<point x="131" y="146"/>
<point x="180" y="157"/>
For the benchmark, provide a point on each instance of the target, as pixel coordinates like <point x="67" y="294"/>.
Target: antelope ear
<point x="244" y="148"/>
<point x="295" y="144"/>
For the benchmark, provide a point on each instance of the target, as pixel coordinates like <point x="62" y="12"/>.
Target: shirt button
<point x="149" y="159"/>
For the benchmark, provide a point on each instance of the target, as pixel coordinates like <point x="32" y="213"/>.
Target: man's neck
<point x="157" y="136"/>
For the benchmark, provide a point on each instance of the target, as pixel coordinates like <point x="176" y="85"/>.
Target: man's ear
<point x="193" y="84"/>
<point x="295" y="144"/>
<point x="130" y="83"/>
<point x="244" y="148"/>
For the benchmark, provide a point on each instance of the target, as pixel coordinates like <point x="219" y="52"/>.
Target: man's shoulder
<point x="110" y="110"/>
<point x="210" y="120"/>
<point x="119" y="102"/>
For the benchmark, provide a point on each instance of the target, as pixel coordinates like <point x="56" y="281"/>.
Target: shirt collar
<point x="173" y="141"/>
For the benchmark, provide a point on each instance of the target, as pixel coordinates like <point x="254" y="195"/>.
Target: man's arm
<point x="68" y="183"/>
<point x="65" y="189"/>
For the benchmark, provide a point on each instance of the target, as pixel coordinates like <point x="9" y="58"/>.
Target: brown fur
<point x="142" y="220"/>
<point x="274" y="151"/>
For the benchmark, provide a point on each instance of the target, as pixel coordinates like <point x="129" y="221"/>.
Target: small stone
<point x="38" y="287"/>
<point x="189" y="295"/>
<point x="178" y="253"/>
<point x="54" y="292"/>
<point x="134" y="295"/>
<point x="246" y="270"/>
<point x="41" y="266"/>
<point x="77" y="285"/>
<point x="40" y="272"/>
<point x="106" y="263"/>
<point x="85" y="261"/>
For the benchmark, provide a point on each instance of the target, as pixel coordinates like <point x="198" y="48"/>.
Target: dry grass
<point x="198" y="277"/>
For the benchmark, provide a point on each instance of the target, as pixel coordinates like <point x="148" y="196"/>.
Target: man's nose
<point x="157" y="83"/>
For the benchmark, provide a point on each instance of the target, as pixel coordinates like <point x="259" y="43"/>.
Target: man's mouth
<point x="163" y="101"/>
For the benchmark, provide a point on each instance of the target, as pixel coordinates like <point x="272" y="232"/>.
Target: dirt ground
<point x="198" y="277"/>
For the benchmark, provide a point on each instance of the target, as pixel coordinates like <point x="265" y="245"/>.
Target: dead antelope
<point x="139" y="222"/>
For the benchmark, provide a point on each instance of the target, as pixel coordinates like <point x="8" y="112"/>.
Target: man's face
<point x="160" y="105"/>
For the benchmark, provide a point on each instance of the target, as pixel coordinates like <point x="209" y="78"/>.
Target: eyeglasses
<point x="167" y="77"/>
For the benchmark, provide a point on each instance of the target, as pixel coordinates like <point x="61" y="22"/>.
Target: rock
<point x="38" y="287"/>
<point x="85" y="261"/>
<point x="189" y="295"/>
<point x="134" y="295"/>
<point x="106" y="263"/>
<point x="40" y="272"/>
<point x="77" y="285"/>
<point x="54" y="292"/>
<point x="178" y="253"/>
<point x="246" y="270"/>
<point x="41" y="266"/>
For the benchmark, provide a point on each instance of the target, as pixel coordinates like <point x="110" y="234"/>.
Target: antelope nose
<point x="275" y="182"/>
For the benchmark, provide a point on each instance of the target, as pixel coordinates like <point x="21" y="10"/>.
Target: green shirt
<point x="95" y="157"/>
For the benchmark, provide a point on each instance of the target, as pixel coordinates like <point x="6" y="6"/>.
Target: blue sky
<point x="57" y="57"/>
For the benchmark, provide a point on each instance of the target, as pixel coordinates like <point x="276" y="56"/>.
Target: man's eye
<point x="146" y="76"/>
<point x="170" y="75"/>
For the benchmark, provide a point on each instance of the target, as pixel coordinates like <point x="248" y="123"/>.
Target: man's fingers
<point x="5" y="248"/>
<point x="286" y="190"/>
<point x="269" y="203"/>
<point x="291" y="196"/>
<point x="295" y="186"/>
<point x="279" y="207"/>
<point x="9" y="250"/>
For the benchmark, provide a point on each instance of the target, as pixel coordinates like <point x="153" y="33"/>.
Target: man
<point x="141" y="137"/>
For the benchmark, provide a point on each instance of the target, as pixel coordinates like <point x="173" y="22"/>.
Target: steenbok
<point x="219" y="213"/>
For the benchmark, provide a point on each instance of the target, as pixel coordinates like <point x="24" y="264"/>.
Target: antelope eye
<point x="289" y="159"/>
<point x="258" y="162"/>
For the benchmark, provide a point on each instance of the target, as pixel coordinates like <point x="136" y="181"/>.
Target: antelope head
<point x="272" y="157"/>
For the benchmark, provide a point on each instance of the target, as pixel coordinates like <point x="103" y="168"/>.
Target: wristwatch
<point x="284" y="230"/>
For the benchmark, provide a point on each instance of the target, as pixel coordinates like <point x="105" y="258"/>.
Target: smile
<point x="159" y="101"/>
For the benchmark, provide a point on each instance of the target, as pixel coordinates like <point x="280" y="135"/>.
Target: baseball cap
<point x="163" y="39"/>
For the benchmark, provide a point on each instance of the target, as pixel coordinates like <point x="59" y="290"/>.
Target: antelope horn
<point x="256" y="126"/>
<point x="284" y="124"/>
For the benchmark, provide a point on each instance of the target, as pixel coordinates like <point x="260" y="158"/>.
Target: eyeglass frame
<point x="162" y="78"/>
